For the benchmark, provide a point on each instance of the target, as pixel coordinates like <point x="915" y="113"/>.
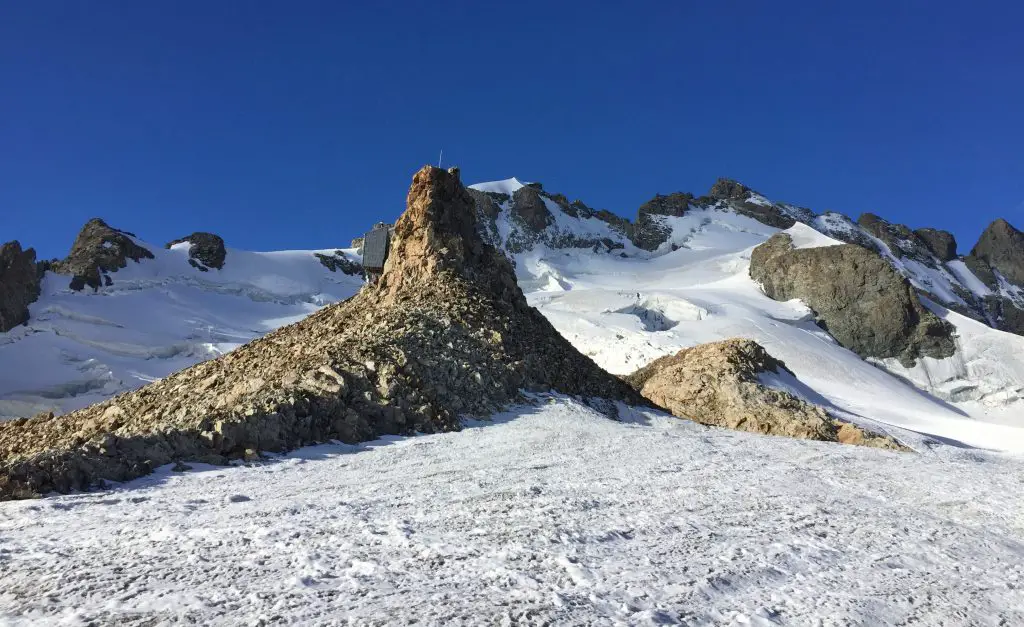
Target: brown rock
<point x="717" y="384"/>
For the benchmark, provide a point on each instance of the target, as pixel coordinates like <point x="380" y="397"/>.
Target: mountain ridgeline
<point x="987" y="284"/>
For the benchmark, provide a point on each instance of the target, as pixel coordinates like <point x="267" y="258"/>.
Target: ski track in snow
<point x="552" y="514"/>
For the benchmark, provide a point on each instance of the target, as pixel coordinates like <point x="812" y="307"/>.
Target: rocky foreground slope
<point x="445" y="332"/>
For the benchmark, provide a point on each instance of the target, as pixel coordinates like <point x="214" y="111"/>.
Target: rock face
<point x="1001" y="247"/>
<point x="532" y="221"/>
<point x="717" y="384"/>
<point x="207" y="250"/>
<point x="856" y="296"/>
<point x="529" y="208"/>
<point x="902" y="242"/>
<point x="19" y="284"/>
<point x="98" y="250"/>
<point x="445" y="332"/>
<point x="941" y="243"/>
<point x="650" y="230"/>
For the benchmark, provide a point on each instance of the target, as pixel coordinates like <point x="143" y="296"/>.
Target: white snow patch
<point x="968" y="279"/>
<point x="804" y="236"/>
<point x="508" y="186"/>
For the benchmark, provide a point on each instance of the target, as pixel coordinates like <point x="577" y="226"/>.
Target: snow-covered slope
<point x="625" y="312"/>
<point x="160" y="315"/>
<point x="550" y="514"/>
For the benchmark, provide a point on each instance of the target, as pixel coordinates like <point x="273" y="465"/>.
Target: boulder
<point x="206" y="250"/>
<point x="98" y="250"/>
<point x="718" y="384"/>
<point x="445" y="332"/>
<point x="19" y="284"/>
<point x="856" y="296"/>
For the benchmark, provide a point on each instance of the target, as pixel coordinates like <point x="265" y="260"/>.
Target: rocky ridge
<point x="856" y="296"/>
<point x="923" y="256"/>
<point x="718" y="384"/>
<point x="446" y="332"/>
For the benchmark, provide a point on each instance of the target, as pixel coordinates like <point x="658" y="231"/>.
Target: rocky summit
<point x="99" y="250"/>
<point x="446" y="332"/>
<point x="718" y="384"/>
<point x="1001" y="248"/>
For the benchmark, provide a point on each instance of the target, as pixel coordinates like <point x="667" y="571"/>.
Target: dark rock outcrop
<point x="339" y="262"/>
<point x="717" y="384"/>
<point x="445" y="332"/>
<point x="207" y="250"/>
<point x="650" y="231"/>
<point x="1003" y="314"/>
<point x="1001" y="248"/>
<point x="941" y="243"/>
<point x="533" y="221"/>
<point x="98" y="250"/>
<point x="736" y="196"/>
<point x="856" y="296"/>
<point x="902" y="242"/>
<point x="529" y="209"/>
<point x="19" y="284"/>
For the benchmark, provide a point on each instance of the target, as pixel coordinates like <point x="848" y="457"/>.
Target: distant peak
<point x="729" y="189"/>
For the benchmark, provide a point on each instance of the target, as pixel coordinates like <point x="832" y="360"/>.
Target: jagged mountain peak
<point x="1001" y="246"/>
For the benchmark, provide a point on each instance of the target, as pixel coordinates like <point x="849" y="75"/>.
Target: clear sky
<point x="297" y="124"/>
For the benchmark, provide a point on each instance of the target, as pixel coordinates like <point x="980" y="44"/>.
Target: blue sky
<point x="298" y="124"/>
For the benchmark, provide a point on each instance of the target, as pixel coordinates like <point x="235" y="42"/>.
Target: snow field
<point x="160" y="315"/>
<point x="550" y="514"/>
